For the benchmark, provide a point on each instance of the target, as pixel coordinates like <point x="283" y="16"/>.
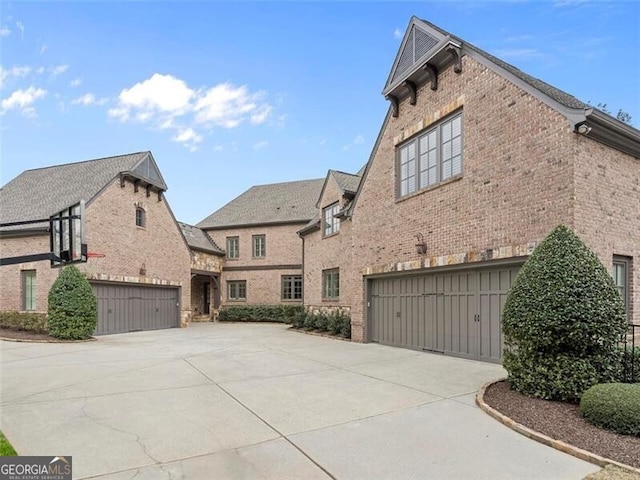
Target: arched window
<point x="141" y="220"/>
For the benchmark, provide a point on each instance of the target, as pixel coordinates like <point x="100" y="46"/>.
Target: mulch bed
<point x="25" y="336"/>
<point x="562" y="421"/>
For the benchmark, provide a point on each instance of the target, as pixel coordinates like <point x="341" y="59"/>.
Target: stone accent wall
<point x="516" y="184"/>
<point x="206" y="261"/>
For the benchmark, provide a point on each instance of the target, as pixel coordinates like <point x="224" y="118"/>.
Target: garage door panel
<point x="455" y="313"/>
<point x="127" y="308"/>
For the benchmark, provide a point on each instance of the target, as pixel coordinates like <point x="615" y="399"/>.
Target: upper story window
<point x="141" y="217"/>
<point x="331" y="284"/>
<point x="259" y="248"/>
<point x="432" y="157"/>
<point x="330" y="220"/>
<point x="621" y="275"/>
<point x="233" y="247"/>
<point x="28" y="290"/>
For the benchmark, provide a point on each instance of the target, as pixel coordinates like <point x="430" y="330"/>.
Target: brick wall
<point x="517" y="181"/>
<point x="607" y="207"/>
<point x="323" y="253"/>
<point x="283" y="247"/>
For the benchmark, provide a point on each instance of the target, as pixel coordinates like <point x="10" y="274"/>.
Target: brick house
<point x="474" y="164"/>
<point x="141" y="274"/>
<point x="263" y="263"/>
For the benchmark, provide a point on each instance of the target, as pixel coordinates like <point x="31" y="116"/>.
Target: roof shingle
<point x="198" y="239"/>
<point x="289" y="202"/>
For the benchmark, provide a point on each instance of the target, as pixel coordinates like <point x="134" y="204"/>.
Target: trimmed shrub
<point x="322" y="321"/>
<point x="30" y="322"/>
<point x="73" y="309"/>
<point x="299" y="319"/>
<point x="310" y="321"/>
<point x="614" y="406"/>
<point x="562" y="321"/>
<point x="345" y="326"/>
<point x="259" y="313"/>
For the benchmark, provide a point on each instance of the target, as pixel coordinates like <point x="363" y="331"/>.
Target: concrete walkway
<point x="218" y="401"/>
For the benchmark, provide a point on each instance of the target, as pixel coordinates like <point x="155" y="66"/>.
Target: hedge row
<point x="31" y="322"/>
<point x="337" y="322"/>
<point x="259" y="313"/>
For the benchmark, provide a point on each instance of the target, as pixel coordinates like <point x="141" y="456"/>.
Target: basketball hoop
<point x="95" y="255"/>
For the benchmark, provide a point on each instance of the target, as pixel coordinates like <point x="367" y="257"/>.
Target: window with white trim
<point x="259" y="243"/>
<point x="431" y="158"/>
<point x="233" y="247"/>
<point x="330" y="220"/>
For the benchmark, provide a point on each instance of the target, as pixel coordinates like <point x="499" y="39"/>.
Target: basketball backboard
<point x="66" y="234"/>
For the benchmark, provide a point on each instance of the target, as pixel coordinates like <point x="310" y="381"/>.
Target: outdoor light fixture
<point x="584" y="129"/>
<point x="421" y="246"/>
<point x="143" y="270"/>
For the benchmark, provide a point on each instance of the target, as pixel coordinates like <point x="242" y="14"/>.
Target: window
<point x="330" y="219"/>
<point x="28" y="289"/>
<point x="291" y="287"/>
<point x="140" y="217"/>
<point x="233" y="247"/>
<point x="621" y="276"/>
<point x="259" y="248"/>
<point x="431" y="158"/>
<point x="237" y="290"/>
<point x="331" y="284"/>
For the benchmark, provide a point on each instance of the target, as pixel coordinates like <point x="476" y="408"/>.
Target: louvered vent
<point x="418" y="43"/>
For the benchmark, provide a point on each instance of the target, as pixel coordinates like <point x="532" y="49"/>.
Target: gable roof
<point x="346" y="182"/>
<point x="42" y="192"/>
<point x="427" y="44"/>
<point x="199" y="240"/>
<point x="276" y="203"/>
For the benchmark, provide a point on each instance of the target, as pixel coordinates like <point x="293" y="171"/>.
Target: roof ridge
<point x="345" y="173"/>
<point x="283" y="183"/>
<point x="84" y="161"/>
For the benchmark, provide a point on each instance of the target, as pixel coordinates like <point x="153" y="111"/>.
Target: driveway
<point x="233" y="401"/>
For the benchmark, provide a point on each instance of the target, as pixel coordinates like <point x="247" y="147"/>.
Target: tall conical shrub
<point x="73" y="310"/>
<point x="562" y="321"/>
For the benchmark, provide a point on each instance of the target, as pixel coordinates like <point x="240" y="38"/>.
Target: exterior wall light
<point x="421" y="246"/>
<point x="584" y="129"/>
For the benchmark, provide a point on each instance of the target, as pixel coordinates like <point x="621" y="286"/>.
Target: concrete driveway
<point x="233" y="401"/>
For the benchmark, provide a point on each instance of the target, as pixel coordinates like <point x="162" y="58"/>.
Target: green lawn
<point x="6" y="450"/>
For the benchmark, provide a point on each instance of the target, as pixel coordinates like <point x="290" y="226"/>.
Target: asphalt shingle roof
<point x="196" y="238"/>
<point x="346" y="181"/>
<point x="287" y="202"/>
<point x="42" y="192"/>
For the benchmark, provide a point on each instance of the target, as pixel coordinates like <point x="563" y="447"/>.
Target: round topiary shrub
<point x="562" y="321"/>
<point x="73" y="309"/>
<point x="614" y="406"/>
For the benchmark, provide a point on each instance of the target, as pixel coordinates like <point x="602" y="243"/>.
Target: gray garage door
<point x="454" y="313"/>
<point x="129" y="308"/>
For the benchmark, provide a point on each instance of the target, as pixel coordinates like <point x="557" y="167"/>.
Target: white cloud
<point x="43" y="49"/>
<point x="358" y="140"/>
<point x="58" y="70"/>
<point x="260" y="145"/>
<point x="20" y="26"/>
<point x="76" y="82"/>
<point x="189" y="138"/>
<point x="5" y="32"/>
<point x="218" y="148"/>
<point x="397" y="33"/>
<point x="23" y="100"/>
<point x="17" y="71"/>
<point x="168" y="102"/>
<point x="518" y="53"/>
<point x="89" y="99"/>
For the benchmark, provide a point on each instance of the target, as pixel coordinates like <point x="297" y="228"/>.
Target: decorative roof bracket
<point x="148" y="190"/>
<point x="433" y="74"/>
<point x="457" y="57"/>
<point x="159" y="195"/>
<point x="121" y="179"/>
<point x="413" y="91"/>
<point x="135" y="185"/>
<point x="394" y="104"/>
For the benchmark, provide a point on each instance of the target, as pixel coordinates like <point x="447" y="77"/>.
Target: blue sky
<point x="228" y="95"/>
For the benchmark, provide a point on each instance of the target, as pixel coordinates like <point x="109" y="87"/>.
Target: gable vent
<point x="418" y="44"/>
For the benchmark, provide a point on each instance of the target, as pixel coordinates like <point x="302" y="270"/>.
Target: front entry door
<point x="206" y="298"/>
